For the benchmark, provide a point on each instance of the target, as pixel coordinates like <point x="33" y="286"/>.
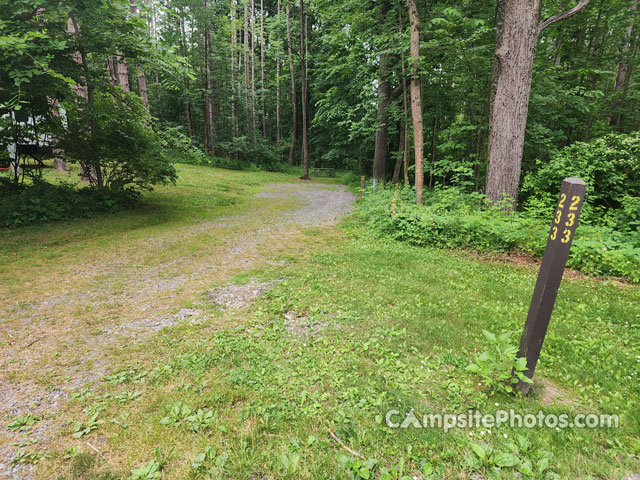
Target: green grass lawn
<point x="351" y="328"/>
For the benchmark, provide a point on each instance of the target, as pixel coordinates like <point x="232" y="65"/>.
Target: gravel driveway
<point x="147" y="299"/>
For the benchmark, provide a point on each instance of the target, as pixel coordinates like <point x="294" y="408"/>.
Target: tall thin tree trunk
<point x="405" y="116"/>
<point x="187" y="114"/>
<point x="142" y="81"/>
<point x="262" y="95"/>
<point x="247" y="72"/>
<point x="233" y="68"/>
<point x="253" y="69"/>
<point x="294" y="114"/>
<point x="434" y="138"/>
<point x="416" y="98"/>
<point x="401" y="150"/>
<point x="208" y="61"/>
<point x="185" y="79"/>
<point x="278" y="132"/>
<point x="623" y="74"/>
<point x="303" y="101"/>
<point x="206" y="104"/>
<point x="92" y="170"/>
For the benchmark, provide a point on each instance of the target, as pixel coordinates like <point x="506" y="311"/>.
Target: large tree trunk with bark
<point x="294" y="113"/>
<point x="517" y="36"/>
<point x="416" y="98"/>
<point x="384" y="100"/>
<point x="513" y="66"/>
<point x="303" y="101"/>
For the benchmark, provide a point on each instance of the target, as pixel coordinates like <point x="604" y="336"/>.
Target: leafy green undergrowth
<point x="380" y="326"/>
<point x="451" y="219"/>
<point x="43" y="202"/>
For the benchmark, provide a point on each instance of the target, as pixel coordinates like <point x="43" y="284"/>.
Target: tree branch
<point x="562" y="16"/>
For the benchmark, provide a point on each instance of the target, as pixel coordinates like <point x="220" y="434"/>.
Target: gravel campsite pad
<point x="58" y="343"/>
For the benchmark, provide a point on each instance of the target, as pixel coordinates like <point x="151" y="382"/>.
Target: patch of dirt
<point x="549" y="393"/>
<point x="523" y="259"/>
<point x="301" y="326"/>
<point x="233" y="297"/>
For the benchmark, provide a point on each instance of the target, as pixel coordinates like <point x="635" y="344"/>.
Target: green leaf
<point x="506" y="460"/>
<point x="479" y="451"/>
<point x="490" y="336"/>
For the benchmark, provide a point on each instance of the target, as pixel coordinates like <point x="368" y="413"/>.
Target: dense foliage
<point x="43" y="202"/>
<point x="56" y="93"/>
<point x="451" y="218"/>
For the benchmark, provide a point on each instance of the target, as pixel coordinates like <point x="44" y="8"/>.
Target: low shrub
<point x="450" y="218"/>
<point x="610" y="166"/>
<point x="43" y="202"/>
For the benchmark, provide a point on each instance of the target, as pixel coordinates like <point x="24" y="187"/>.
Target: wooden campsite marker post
<point x="563" y="228"/>
<point x="362" y="185"/>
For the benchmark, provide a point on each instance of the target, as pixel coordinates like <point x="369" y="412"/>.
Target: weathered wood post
<point x="362" y="186"/>
<point x="563" y="227"/>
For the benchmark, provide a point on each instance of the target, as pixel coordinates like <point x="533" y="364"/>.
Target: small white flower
<point x="504" y="435"/>
<point x="471" y="434"/>
<point x="481" y="432"/>
<point x="497" y="404"/>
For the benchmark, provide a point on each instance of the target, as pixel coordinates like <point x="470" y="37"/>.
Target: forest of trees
<point x="430" y="93"/>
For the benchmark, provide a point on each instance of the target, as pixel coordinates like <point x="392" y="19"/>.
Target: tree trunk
<point x="623" y="74"/>
<point x="142" y="87"/>
<point x="434" y="137"/>
<point x="405" y="116"/>
<point x="185" y="79"/>
<point x="384" y="100"/>
<point x="513" y="66"/>
<point x="278" y="132"/>
<point x="253" y="70"/>
<point x="247" y="73"/>
<point x="206" y="103"/>
<point x="208" y="61"/>
<point x="401" y="149"/>
<point x="517" y="35"/>
<point x="303" y="101"/>
<point x="294" y="113"/>
<point x="234" y="40"/>
<point x="123" y="73"/>
<point x="416" y="99"/>
<point x="262" y="94"/>
<point x="92" y="170"/>
<point x="142" y="81"/>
